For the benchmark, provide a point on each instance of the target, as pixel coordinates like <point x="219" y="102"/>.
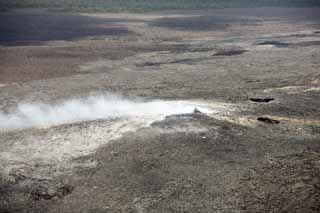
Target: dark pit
<point x="188" y="61"/>
<point x="261" y="100"/>
<point x="278" y="44"/>
<point x="229" y="52"/>
<point x="200" y="23"/>
<point x="268" y="120"/>
<point x="307" y="43"/>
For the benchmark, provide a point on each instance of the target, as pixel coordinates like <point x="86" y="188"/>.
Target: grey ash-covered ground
<point x="258" y="152"/>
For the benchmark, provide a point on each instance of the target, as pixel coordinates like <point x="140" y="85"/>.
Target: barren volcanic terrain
<point x="175" y="111"/>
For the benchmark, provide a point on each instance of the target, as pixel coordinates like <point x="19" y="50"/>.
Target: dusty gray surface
<point x="227" y="161"/>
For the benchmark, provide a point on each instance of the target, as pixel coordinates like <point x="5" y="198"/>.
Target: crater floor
<point x="256" y="150"/>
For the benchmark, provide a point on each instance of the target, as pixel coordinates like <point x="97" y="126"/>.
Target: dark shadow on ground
<point x="200" y="23"/>
<point x="23" y="28"/>
<point x="221" y="19"/>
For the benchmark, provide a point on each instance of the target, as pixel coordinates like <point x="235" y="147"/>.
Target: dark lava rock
<point x="196" y="110"/>
<point x="46" y="193"/>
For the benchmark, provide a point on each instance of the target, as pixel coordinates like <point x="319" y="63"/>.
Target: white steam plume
<point x="92" y="108"/>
